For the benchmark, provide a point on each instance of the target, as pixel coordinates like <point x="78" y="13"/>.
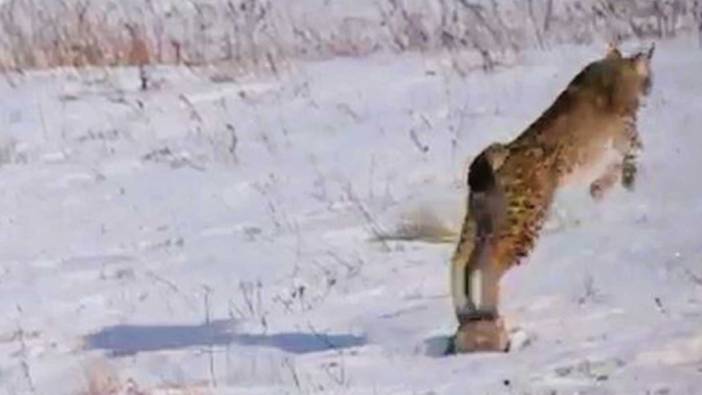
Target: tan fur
<point x="589" y="129"/>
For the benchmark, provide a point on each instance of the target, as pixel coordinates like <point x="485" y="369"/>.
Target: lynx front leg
<point x="629" y="170"/>
<point x="606" y="181"/>
<point x="629" y="145"/>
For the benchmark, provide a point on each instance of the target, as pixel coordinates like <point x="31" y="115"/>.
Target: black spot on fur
<point x="481" y="176"/>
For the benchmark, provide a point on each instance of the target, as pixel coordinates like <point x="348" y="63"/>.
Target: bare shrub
<point x="423" y="224"/>
<point x="8" y="150"/>
<point x="102" y="379"/>
<point x="261" y="35"/>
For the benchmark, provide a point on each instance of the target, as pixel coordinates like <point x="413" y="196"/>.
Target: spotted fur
<point x="512" y="185"/>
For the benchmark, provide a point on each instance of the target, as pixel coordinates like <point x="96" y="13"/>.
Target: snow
<point x="221" y="237"/>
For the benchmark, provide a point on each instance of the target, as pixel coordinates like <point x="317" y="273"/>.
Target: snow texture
<point x="242" y="237"/>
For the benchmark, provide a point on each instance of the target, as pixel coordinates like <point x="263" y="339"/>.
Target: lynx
<point x="591" y="127"/>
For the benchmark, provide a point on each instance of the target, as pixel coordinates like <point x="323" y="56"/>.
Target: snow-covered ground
<point x="222" y="237"/>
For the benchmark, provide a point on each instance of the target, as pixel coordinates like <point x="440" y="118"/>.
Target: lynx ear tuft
<point x="649" y="53"/>
<point x="642" y="61"/>
<point x="612" y="51"/>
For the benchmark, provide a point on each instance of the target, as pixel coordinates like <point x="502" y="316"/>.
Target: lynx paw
<point x="629" y="177"/>
<point x="481" y="335"/>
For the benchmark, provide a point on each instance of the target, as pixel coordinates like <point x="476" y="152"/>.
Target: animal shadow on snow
<point x="125" y="340"/>
<point x="438" y="346"/>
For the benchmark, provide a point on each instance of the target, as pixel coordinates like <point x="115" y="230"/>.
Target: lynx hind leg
<point x="459" y="264"/>
<point x="483" y="214"/>
<point x="474" y="277"/>
<point x="475" y="289"/>
<point x="474" y="274"/>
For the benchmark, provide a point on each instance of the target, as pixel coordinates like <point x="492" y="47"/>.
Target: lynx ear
<point x="642" y="61"/>
<point x="612" y="51"/>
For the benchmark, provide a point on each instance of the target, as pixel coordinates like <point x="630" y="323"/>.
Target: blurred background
<point x="265" y="34"/>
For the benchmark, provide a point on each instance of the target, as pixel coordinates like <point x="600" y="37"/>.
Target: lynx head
<point x="636" y="71"/>
<point x="617" y="82"/>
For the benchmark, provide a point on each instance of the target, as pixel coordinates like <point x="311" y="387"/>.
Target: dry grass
<point x="261" y="34"/>
<point x="424" y="225"/>
<point x="102" y="379"/>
